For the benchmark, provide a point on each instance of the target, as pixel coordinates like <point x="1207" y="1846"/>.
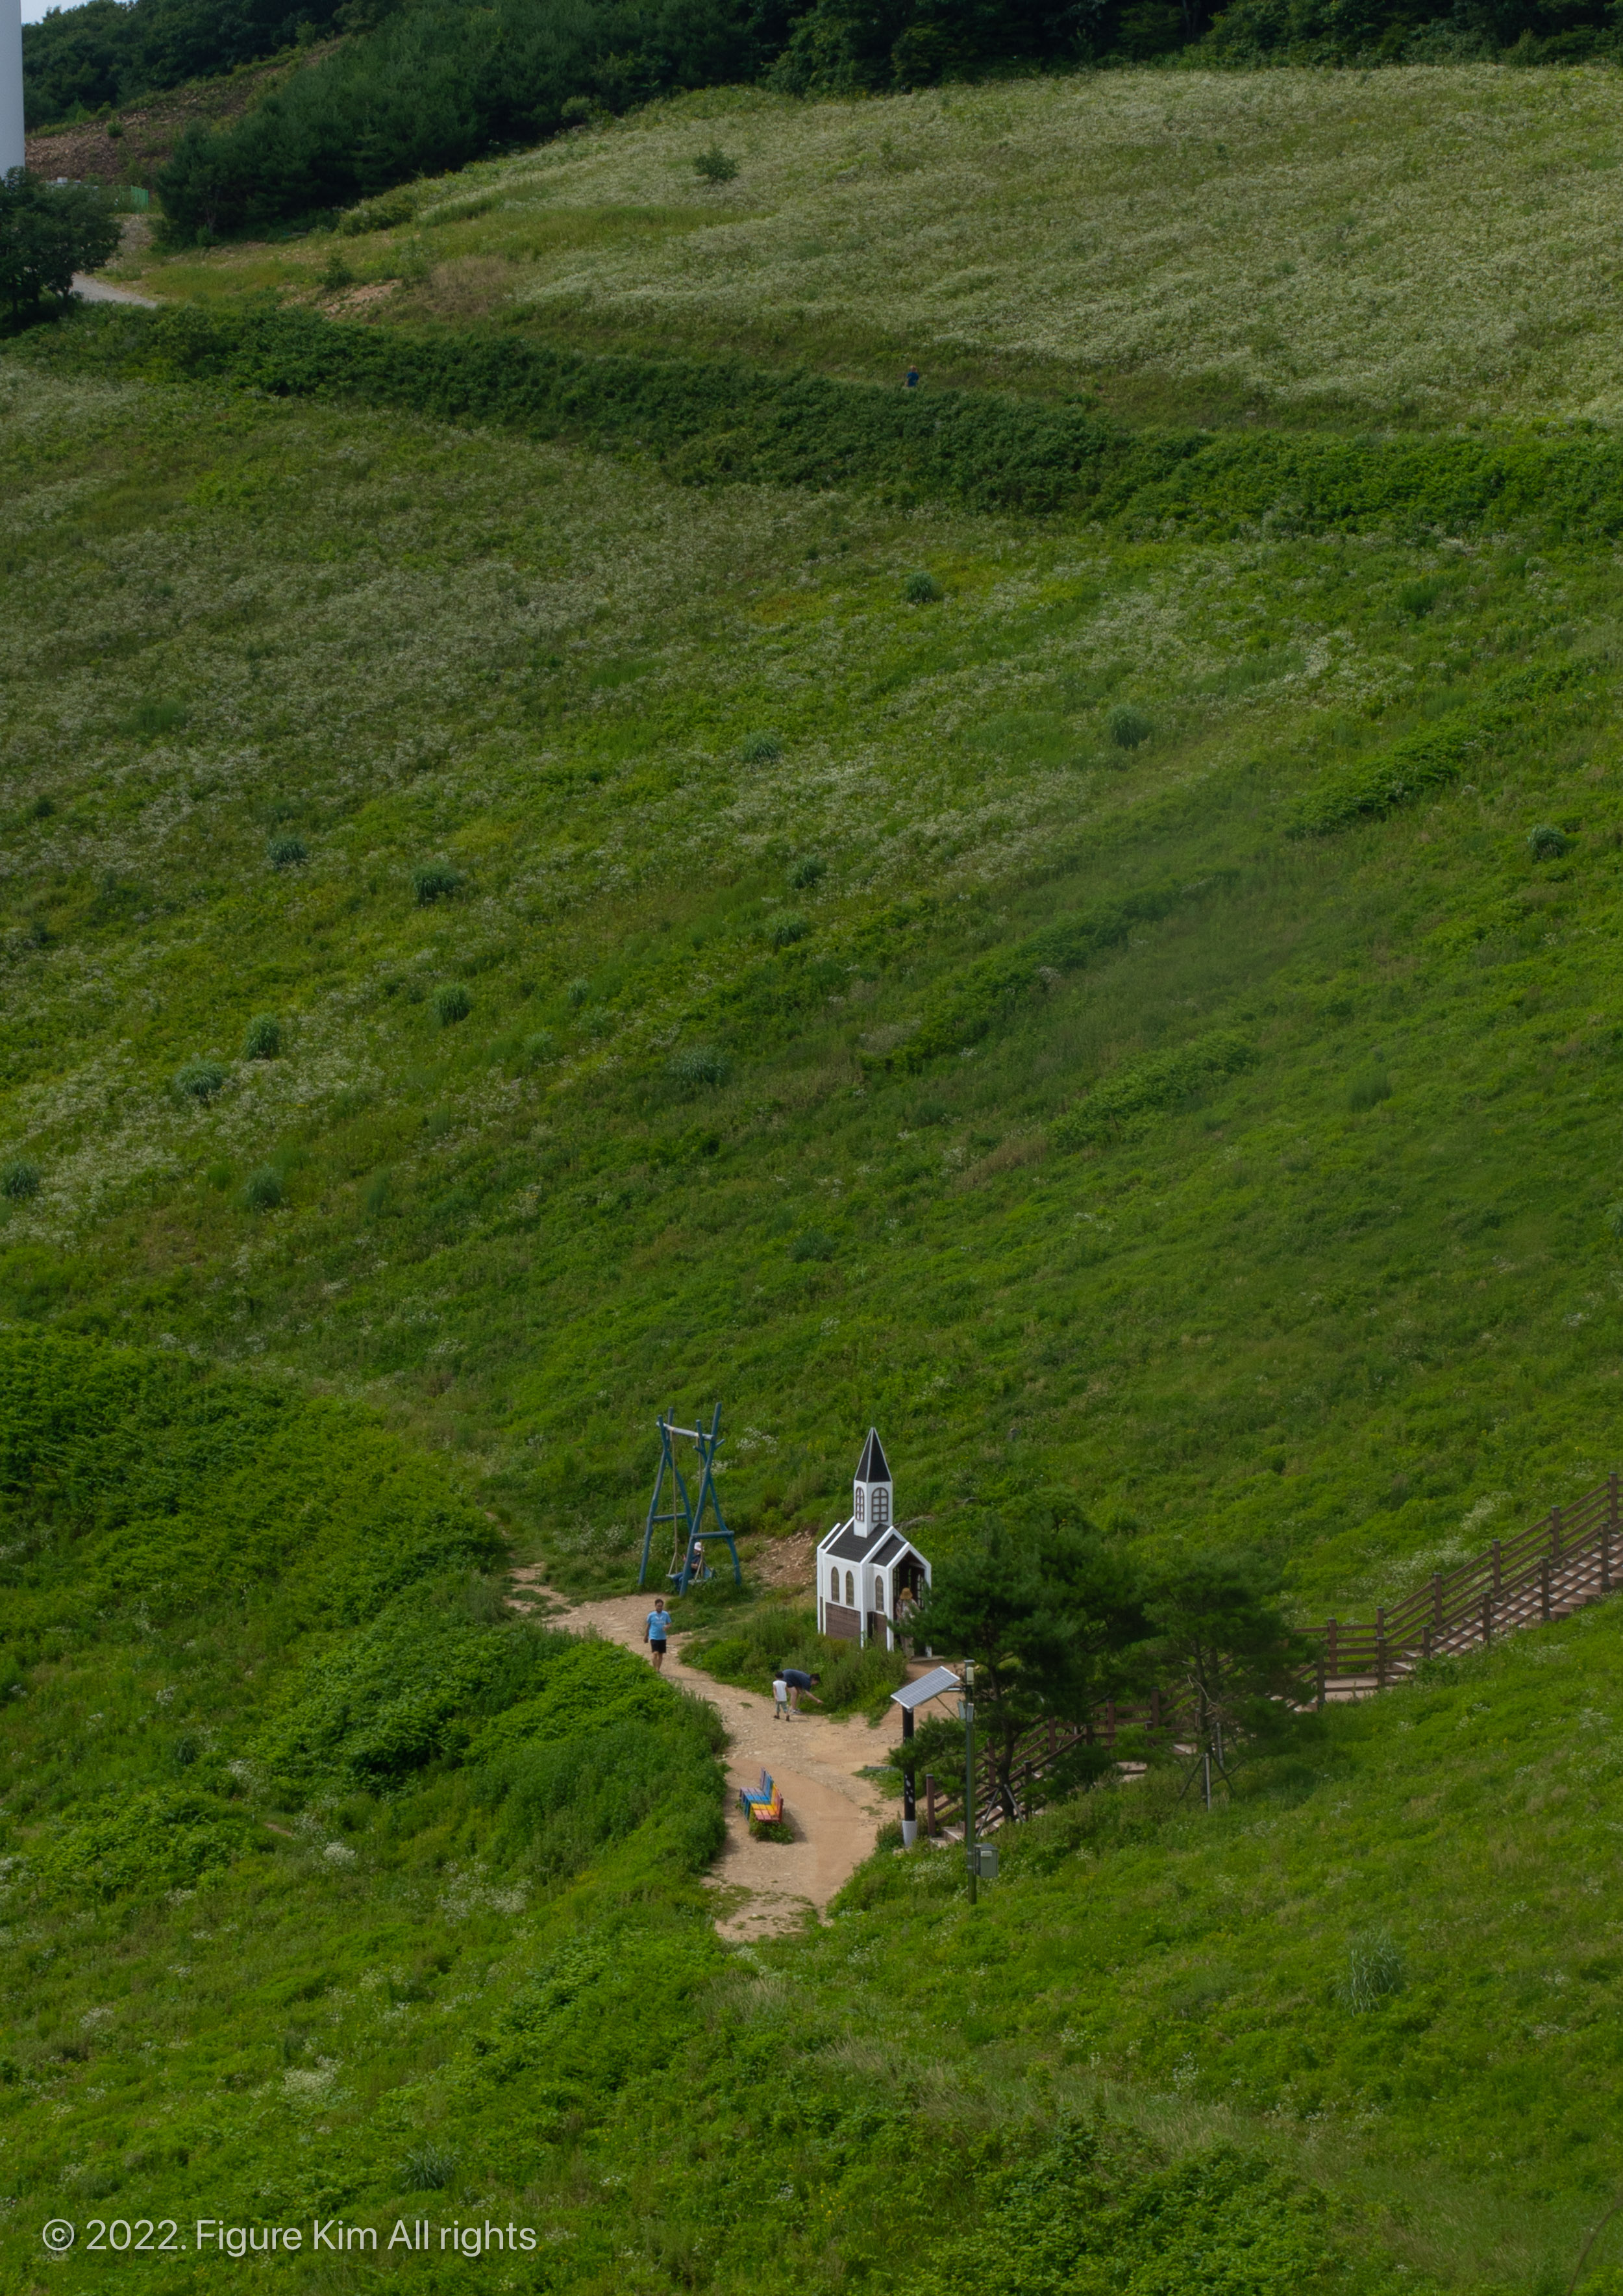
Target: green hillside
<point x="856" y="1025"/>
<point x="319" y="1909"/>
<point x="1430" y="247"/>
<point x="546" y="874"/>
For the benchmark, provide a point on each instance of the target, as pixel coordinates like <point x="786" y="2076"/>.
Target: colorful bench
<point x="763" y="1806"/>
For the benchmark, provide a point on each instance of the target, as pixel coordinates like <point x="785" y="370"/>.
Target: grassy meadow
<point x="1422" y="246"/>
<point x="690" y="1067"/>
<point x="500" y="936"/>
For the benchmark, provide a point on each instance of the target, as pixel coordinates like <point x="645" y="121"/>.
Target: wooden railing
<point x="1571" y="1556"/>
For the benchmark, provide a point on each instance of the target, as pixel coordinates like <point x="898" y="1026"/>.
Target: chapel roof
<point x="871" y="1467"/>
<point x="847" y="1542"/>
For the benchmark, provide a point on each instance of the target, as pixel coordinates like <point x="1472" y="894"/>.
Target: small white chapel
<point x="868" y="1575"/>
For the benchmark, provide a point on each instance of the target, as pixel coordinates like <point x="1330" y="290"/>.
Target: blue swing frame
<point x="682" y="1509"/>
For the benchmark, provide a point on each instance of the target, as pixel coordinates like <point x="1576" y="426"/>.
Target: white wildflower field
<point x="1423" y="245"/>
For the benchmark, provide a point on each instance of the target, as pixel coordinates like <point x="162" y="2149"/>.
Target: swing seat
<point x="763" y="1806"/>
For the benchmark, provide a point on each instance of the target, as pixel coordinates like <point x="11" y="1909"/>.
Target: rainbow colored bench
<point x="762" y="1806"/>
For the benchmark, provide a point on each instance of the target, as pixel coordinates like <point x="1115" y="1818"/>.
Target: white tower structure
<point x="869" y="1576"/>
<point x="872" y="1489"/>
<point x="11" y="85"/>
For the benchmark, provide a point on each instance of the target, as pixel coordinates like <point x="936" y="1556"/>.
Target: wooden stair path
<point x="1570" y="1557"/>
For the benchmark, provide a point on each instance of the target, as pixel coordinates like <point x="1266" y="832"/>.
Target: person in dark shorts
<point x="799" y="1680"/>
<point x="656" y="1633"/>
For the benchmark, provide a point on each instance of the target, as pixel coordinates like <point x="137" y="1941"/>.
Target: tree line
<point x="1059" y="1622"/>
<point x="421" y="86"/>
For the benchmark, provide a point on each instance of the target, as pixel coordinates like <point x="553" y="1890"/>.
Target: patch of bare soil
<point x="89" y="152"/>
<point x="360" y="299"/>
<point x="787" y="1564"/>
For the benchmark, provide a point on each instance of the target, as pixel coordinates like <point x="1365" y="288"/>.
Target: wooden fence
<point x="1571" y="1556"/>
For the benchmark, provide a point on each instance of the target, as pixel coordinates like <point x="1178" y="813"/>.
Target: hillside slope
<point x="324" y="1910"/>
<point x="688" y="962"/>
<point x="1430" y="246"/>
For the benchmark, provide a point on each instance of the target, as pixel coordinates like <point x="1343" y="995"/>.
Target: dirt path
<point x="768" y="1886"/>
<point x="90" y="290"/>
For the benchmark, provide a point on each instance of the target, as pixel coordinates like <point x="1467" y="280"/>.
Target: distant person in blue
<point x="911" y="382"/>
<point x="797" y="1680"/>
<point x="655" y="1632"/>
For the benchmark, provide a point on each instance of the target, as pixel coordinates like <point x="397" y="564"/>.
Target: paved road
<point x="768" y="1887"/>
<point x="103" y="291"/>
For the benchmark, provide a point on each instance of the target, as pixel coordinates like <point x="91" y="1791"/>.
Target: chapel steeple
<point x="871" y="1507"/>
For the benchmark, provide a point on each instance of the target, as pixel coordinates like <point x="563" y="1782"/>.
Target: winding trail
<point x="90" y="290"/>
<point x="765" y="1888"/>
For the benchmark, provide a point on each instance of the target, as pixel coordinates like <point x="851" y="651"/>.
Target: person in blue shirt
<point x="911" y="382"/>
<point x="798" y="1682"/>
<point x="655" y="1632"/>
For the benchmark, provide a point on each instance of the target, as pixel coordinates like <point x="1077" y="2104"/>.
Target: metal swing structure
<point x="689" y="1535"/>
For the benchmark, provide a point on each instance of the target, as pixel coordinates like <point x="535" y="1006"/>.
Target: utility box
<point x="983" y="1861"/>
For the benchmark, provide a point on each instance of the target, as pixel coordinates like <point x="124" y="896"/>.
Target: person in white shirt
<point x="780" y="1700"/>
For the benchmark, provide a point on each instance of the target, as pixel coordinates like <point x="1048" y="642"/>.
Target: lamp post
<point x="910" y="1814"/>
<point x="966" y="1708"/>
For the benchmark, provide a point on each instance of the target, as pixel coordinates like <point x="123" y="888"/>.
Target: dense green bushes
<point x="130" y="1477"/>
<point x="715" y="420"/>
<point x="110" y="51"/>
<point x="437" y="86"/>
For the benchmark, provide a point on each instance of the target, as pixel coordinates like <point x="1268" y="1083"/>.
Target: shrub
<point x="1374" y="1970"/>
<point x="336" y="274"/>
<point x="1368" y="1091"/>
<point x="1614" y="1218"/>
<point x="429" y="2170"/>
<point x="379" y="1188"/>
<point x="452" y="1002"/>
<point x="1546" y="843"/>
<point x="578" y="992"/>
<point x="761" y="750"/>
<point x="18" y="1181"/>
<point x="199" y="1079"/>
<point x="287" y="852"/>
<point x="1128" y="726"/>
<point x="714" y="166"/>
<point x="263" y="1041"/>
<point x="152" y="717"/>
<point x="812" y="1244"/>
<point x="434" y="881"/>
<point x="47" y="233"/>
<point x="701" y="1065"/>
<point x="380" y="215"/>
<point x="921" y="589"/>
<point x="784" y="931"/>
<point x="263" y="1193"/>
<point x="807" y="870"/>
<point x="540" y="1046"/>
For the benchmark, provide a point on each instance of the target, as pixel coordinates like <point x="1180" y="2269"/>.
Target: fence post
<point x="1496" y="1569"/>
<point x="1380" y="1647"/>
<point x="1321" y="1684"/>
<point x="1330" y="1640"/>
<point x="1110" y="1724"/>
<point x="929" y="1804"/>
<point x="1544" y="1589"/>
<point x="1606" y="1535"/>
<point x="1437" y="1600"/>
<point x="1555" y="1532"/>
<point x="1425" y="1640"/>
<point x="1487" y="1618"/>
